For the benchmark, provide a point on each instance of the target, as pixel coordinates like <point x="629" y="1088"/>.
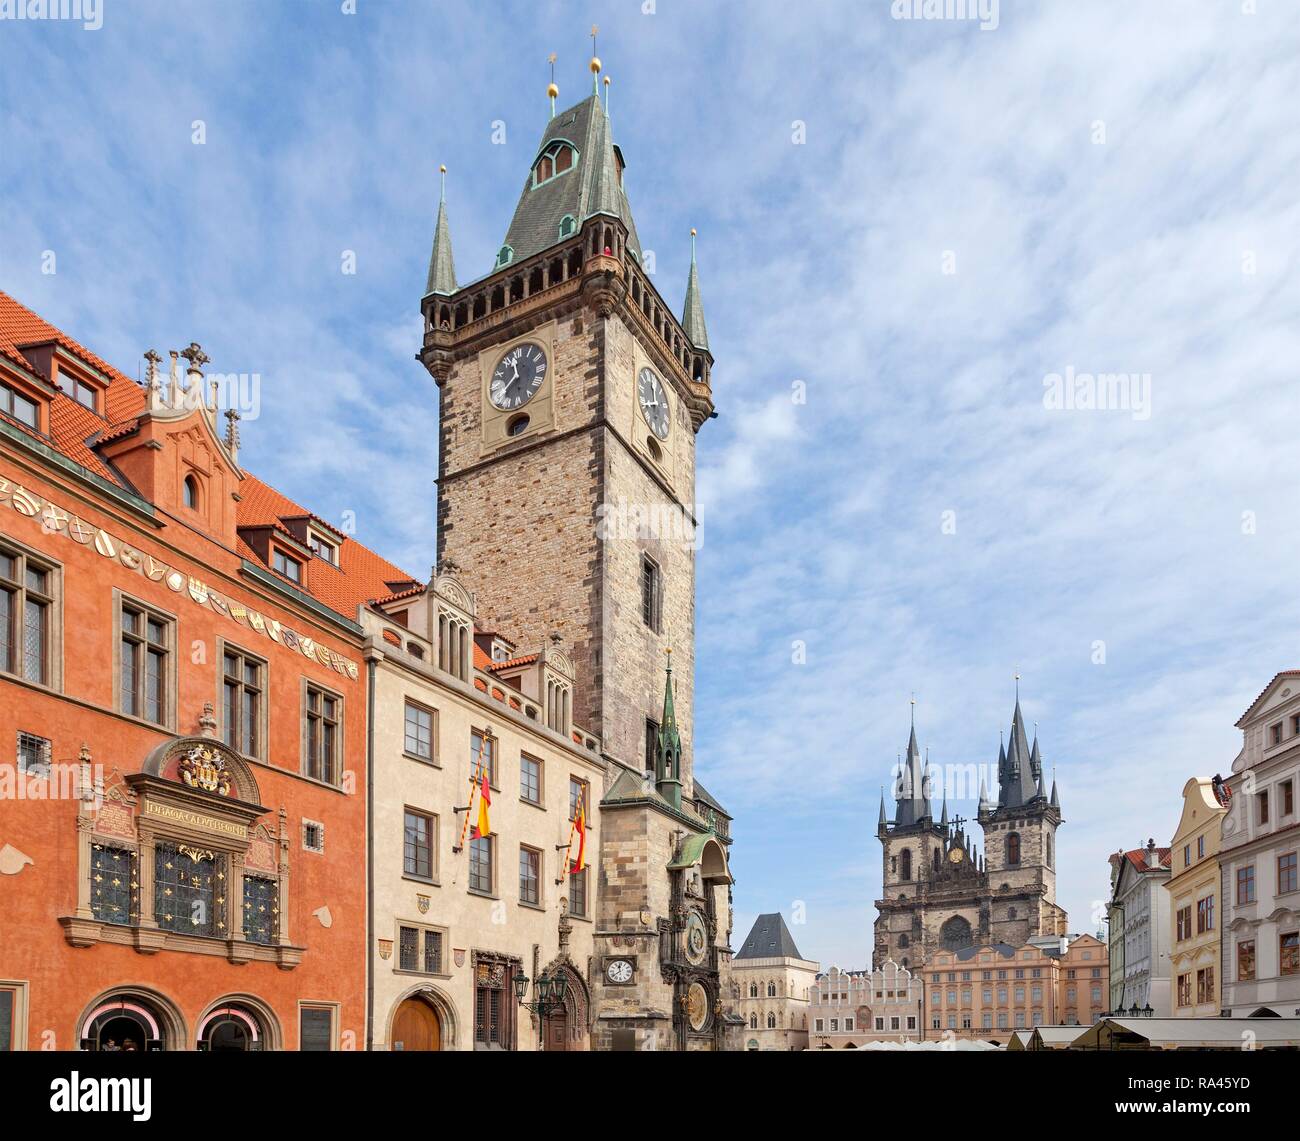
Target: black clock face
<point x="654" y="402"/>
<point x="518" y="377"/>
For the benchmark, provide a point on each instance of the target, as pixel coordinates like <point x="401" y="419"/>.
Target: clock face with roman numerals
<point x="654" y="402"/>
<point x="517" y="378"/>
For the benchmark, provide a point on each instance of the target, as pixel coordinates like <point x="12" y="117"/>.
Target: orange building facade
<point x="183" y="814"/>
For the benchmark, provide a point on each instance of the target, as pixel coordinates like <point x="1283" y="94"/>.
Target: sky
<point x="915" y="237"/>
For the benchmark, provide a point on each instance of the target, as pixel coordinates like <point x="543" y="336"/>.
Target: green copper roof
<point x="693" y="310"/>
<point x="591" y="186"/>
<point x="670" y="740"/>
<point x="442" y="269"/>
<point x="692" y="850"/>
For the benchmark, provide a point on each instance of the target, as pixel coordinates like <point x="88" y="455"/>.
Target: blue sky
<point x="1102" y="187"/>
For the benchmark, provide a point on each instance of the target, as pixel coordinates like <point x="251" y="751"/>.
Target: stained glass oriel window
<point x="189" y="890"/>
<point x="261" y="909"/>
<point x="114" y="884"/>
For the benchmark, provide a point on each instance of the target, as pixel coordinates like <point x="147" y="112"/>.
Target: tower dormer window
<point x="568" y="225"/>
<point x="505" y="255"/>
<point x="83" y="392"/>
<point x="286" y="565"/>
<point x="190" y="492"/>
<point x="557" y="159"/>
<point x="323" y="549"/>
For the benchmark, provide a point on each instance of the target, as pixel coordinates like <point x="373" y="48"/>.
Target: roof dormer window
<point x="82" y="391"/>
<point x="286" y="565"/>
<point x="559" y="158"/>
<point x="323" y="549"/>
<point x="505" y="255"/>
<point x="22" y="408"/>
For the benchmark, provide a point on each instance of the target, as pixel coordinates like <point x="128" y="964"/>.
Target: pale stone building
<point x="1261" y="839"/>
<point x="987" y="992"/>
<point x="570" y="397"/>
<point x="774" y="981"/>
<point x="939" y="891"/>
<point x="458" y="920"/>
<point x="1138" y="913"/>
<point x="1195" y="903"/>
<point x="851" y="1008"/>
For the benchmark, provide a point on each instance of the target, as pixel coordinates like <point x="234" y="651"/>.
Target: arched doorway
<point x="416" y="1026"/>
<point x="565" y="1025"/>
<point x="555" y="1029"/>
<point x="130" y="1021"/>
<point x="234" y="1026"/>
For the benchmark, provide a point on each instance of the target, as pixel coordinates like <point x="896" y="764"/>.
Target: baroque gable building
<point x="939" y="892"/>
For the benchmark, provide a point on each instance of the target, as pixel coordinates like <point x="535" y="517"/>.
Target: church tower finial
<point x="552" y="91"/>
<point x="595" y="62"/>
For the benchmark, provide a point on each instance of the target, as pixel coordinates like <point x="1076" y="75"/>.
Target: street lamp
<point x="548" y="992"/>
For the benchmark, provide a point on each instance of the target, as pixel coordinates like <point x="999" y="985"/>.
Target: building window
<point x="1185" y="990"/>
<point x="286" y="565"/>
<point x="1187" y="855"/>
<point x="313" y="836"/>
<point x="651" y="594"/>
<point x="261" y="909"/>
<point x="1287" y="792"/>
<point x="489" y="1017"/>
<point x="419" y="949"/>
<point x="190" y="492"/>
<point x="34" y="754"/>
<point x="1275" y="733"/>
<point x="1013" y="848"/>
<point x="315" y="1028"/>
<point x="26" y="607"/>
<point x="1184" y="920"/>
<point x="483" y="751"/>
<point x="1246" y="884"/>
<point x="651" y="745"/>
<point x="1286" y="873"/>
<point x="20" y="407"/>
<point x="1289" y="953"/>
<point x="417" y="845"/>
<point x="771" y="990"/>
<point x="480" y="865"/>
<point x="578" y="893"/>
<point x="568" y="224"/>
<point x="578" y="792"/>
<point x="986" y="1021"/>
<point x="1205" y="915"/>
<point x="1261" y="801"/>
<point x="324" y="715"/>
<point x="1246" y="960"/>
<point x="189" y="887"/>
<point x="530" y="779"/>
<point x="87" y="395"/>
<point x="418" y="736"/>
<point x="1205" y="985"/>
<point x="1200" y="847"/>
<point x="146" y="662"/>
<point x="114" y="884"/>
<point x="530" y="875"/>
<point x="241" y="702"/>
<point x="771" y="1021"/>
<point x="905" y="864"/>
<point x="323" y="549"/>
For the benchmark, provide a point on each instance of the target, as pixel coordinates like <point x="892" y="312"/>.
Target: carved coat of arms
<point x="205" y="768"/>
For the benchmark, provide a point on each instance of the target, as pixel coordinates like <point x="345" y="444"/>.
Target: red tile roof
<point x="361" y="574"/>
<point x="521" y="660"/>
<point x="1138" y="858"/>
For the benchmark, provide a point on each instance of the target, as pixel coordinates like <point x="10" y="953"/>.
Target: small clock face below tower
<point x="619" y="971"/>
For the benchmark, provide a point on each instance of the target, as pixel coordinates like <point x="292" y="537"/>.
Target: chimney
<point x="1153" y="856"/>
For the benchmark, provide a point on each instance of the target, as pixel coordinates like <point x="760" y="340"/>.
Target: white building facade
<point x="1258" y="855"/>
<point x="1139" y="930"/>
<point x="852" y="1008"/>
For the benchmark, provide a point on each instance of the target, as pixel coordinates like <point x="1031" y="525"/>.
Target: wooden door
<point x="557" y="1030"/>
<point x="416" y="1027"/>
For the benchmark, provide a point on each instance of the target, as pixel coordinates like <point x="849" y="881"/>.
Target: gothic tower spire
<point x="442" y="269"/>
<point x="693" y="310"/>
<point x="668" y="762"/>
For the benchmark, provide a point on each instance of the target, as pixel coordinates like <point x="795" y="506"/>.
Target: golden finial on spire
<point x="551" y="90"/>
<point x="595" y="59"/>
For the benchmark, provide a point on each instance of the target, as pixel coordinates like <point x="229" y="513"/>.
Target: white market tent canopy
<point x="958" y="1045"/>
<point x="1056" y="1037"/>
<point x="1190" y="1034"/>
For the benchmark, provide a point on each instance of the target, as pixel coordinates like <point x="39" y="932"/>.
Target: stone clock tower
<point x="570" y="400"/>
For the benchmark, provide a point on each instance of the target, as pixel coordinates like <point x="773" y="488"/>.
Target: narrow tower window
<point x="191" y="493"/>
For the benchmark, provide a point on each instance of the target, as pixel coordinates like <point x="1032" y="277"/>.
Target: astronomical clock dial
<point x="697" y="1006"/>
<point x="697" y="938"/>
<point x="518" y="377"/>
<point x="619" y="971"/>
<point x="654" y="402"/>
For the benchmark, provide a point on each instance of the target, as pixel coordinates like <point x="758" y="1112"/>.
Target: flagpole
<point x="473" y="786"/>
<point x="567" y="848"/>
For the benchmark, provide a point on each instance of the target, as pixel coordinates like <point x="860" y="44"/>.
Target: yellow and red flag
<point x="580" y="833"/>
<point x="483" y="827"/>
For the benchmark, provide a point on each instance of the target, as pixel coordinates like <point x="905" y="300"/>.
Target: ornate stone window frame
<point x="167" y="810"/>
